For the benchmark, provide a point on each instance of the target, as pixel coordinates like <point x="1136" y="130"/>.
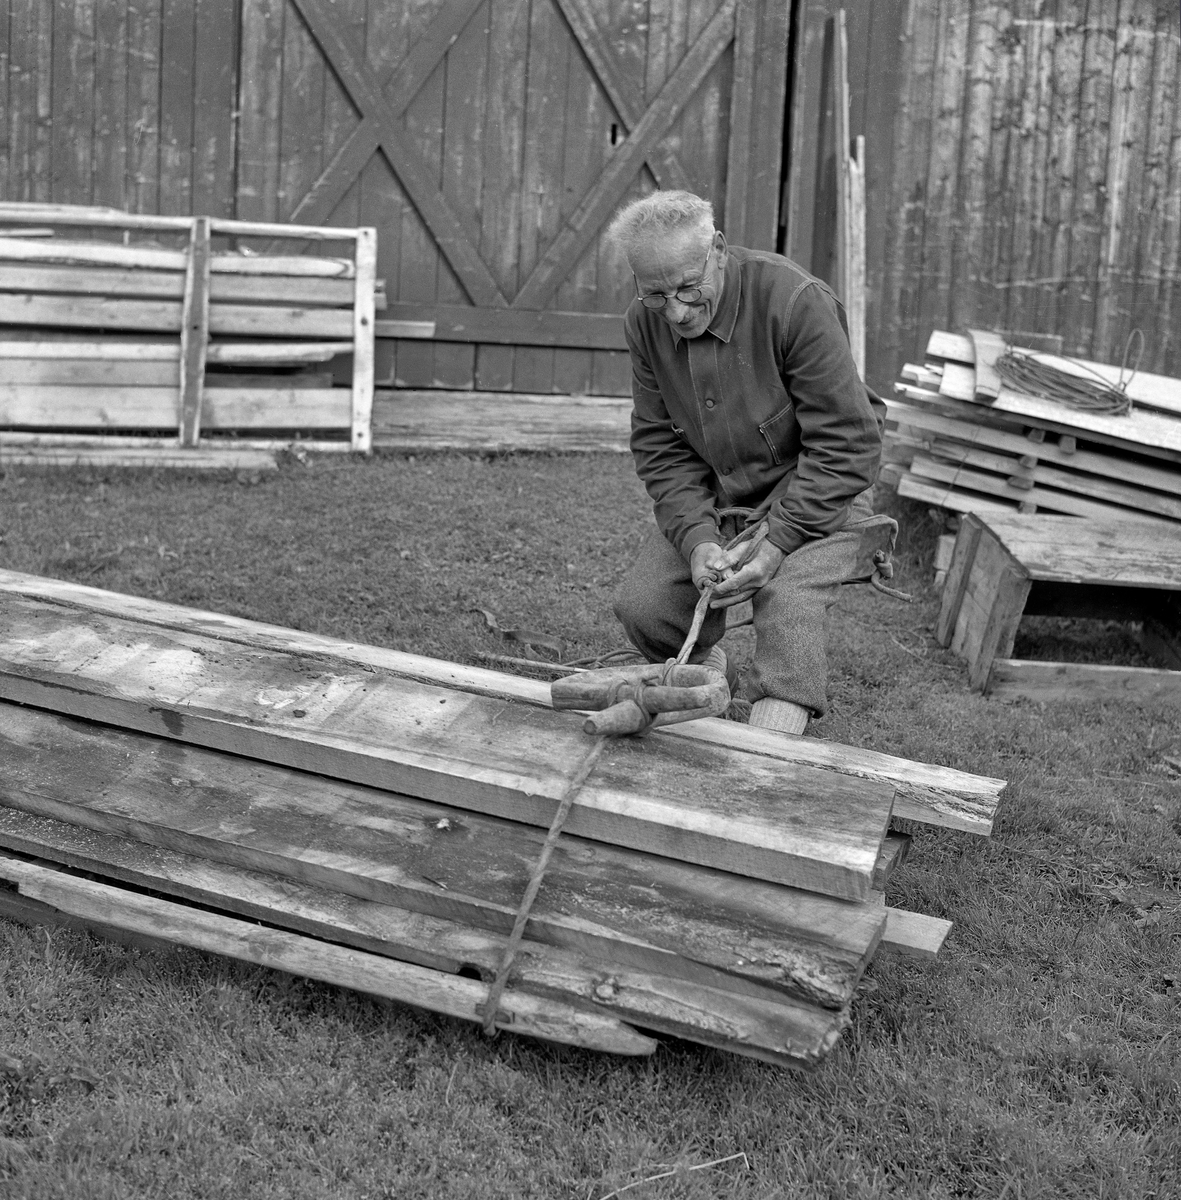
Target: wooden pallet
<point x="101" y="338"/>
<point x="372" y="819"/>
<point x="958" y="439"/>
<point x="1006" y="565"/>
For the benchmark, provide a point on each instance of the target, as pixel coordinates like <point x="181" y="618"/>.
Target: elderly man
<point x="745" y="395"/>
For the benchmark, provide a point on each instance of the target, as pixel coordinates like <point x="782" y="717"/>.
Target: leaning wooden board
<point x="925" y="792"/>
<point x="702" y="803"/>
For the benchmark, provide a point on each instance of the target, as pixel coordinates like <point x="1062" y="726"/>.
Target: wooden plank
<point x="247" y="320"/>
<point x="509" y="327"/>
<point x="97" y="372"/>
<point x="475" y="421"/>
<point x="1099" y="489"/>
<point x="142" y="188"/>
<point x="110" y="104"/>
<point x="1052" y="682"/>
<point x="769" y="103"/>
<point x="745" y="1025"/>
<point x="790" y="825"/>
<point x="363" y="318"/>
<point x="198" y="458"/>
<point x="66" y="406"/>
<point x="925" y="792"/>
<point x="1044" y="497"/>
<point x="216" y="52"/>
<point x="276" y="353"/>
<point x="1114" y="553"/>
<point x="741" y="130"/>
<point x="650" y="914"/>
<point x="72" y="130"/>
<point x="894" y="852"/>
<point x="280" y="950"/>
<point x="64" y="352"/>
<point x="29" y="99"/>
<point x="178" y="81"/>
<point x="259" y="107"/>
<point x="948" y="497"/>
<point x="297" y="290"/>
<point x="194" y="333"/>
<point x="1088" y="462"/>
<point x="916" y="934"/>
<point x="602" y="199"/>
<point x="958" y="573"/>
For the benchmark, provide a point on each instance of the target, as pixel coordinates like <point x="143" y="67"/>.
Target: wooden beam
<point x="651" y="914"/>
<point x="363" y="351"/>
<point x="584" y="223"/>
<point x="408" y="983"/>
<point x="194" y="333"/>
<point x="1053" y="682"/>
<point x="507" y="326"/>
<point x="925" y="792"/>
<point x="705" y="804"/>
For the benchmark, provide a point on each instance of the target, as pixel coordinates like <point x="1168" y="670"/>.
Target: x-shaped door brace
<point x="380" y="128"/>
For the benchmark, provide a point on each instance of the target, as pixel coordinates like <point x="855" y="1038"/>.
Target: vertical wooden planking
<point x="973" y="215"/>
<point x="73" y="102"/>
<point x="1027" y="185"/>
<point x="260" y="109"/>
<point x="741" y="132"/>
<point x="302" y="126"/>
<point x="767" y="127"/>
<point x="503" y="147"/>
<point x="1064" y="144"/>
<point x="177" y="85"/>
<point x="940" y="211"/>
<point x="547" y="68"/>
<point x="1152" y="261"/>
<point x="1078" y="313"/>
<point x="215" y="51"/>
<point x="340" y="118"/>
<point x="903" y="288"/>
<point x="1164" y="350"/>
<point x="143" y="106"/>
<point x="1131" y="107"/>
<point x="5" y="98"/>
<point x="466" y="66"/>
<point x="111" y="135"/>
<point x="704" y="123"/>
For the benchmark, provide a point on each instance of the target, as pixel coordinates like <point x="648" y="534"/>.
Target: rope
<point x="1027" y="373"/>
<point x="496" y="990"/>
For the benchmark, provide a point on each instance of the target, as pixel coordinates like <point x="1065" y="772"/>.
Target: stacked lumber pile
<point x="180" y="339"/>
<point x="959" y="439"/>
<point x="373" y="819"/>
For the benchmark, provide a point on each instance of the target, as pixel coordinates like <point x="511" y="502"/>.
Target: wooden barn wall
<point x="1032" y="177"/>
<point x="233" y="107"/>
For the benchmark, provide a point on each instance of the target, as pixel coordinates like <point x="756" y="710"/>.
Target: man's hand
<point x="707" y="563"/>
<point x="740" y="585"/>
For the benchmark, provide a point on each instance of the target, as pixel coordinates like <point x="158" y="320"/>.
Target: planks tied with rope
<point x="379" y="820"/>
<point x="132" y="339"/>
<point x="984" y="425"/>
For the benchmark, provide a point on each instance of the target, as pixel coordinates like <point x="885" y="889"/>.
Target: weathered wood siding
<point x="1032" y="181"/>
<point x="489" y="141"/>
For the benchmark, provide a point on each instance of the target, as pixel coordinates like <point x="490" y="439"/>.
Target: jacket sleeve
<point x="839" y="426"/>
<point x="677" y="479"/>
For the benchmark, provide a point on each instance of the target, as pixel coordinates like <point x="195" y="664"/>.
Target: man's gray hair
<point x="657" y="214"/>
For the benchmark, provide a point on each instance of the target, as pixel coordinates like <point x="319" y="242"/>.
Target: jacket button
<point x="727" y="470"/>
<point x="709" y="404"/>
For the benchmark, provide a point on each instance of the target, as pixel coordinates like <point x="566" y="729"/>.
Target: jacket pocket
<point x="772" y="431"/>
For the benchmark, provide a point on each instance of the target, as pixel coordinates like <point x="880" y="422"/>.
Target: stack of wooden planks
<point x="183" y="343"/>
<point x="959" y="439"/>
<point x="372" y="818"/>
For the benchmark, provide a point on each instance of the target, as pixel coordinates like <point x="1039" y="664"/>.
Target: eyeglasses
<point x="686" y="295"/>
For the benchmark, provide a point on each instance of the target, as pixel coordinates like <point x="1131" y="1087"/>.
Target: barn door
<point x="490" y="141"/>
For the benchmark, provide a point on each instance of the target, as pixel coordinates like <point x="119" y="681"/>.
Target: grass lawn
<point x="1038" y="1057"/>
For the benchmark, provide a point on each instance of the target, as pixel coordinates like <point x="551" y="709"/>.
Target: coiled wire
<point x="1033" y="376"/>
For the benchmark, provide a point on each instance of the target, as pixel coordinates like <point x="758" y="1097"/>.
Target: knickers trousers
<point x="656" y="599"/>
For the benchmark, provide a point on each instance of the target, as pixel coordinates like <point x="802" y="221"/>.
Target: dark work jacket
<point x="765" y="405"/>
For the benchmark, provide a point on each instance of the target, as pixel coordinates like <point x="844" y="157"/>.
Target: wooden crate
<point x="1007" y="565"/>
<point x="104" y="338"/>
